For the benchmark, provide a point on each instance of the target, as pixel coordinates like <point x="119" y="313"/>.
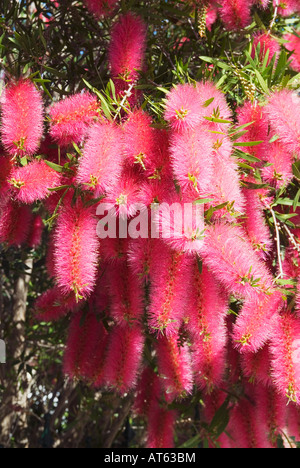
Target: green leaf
<point x="54" y="166"/>
<point x="201" y="201"/>
<point x="262" y="82"/>
<point x="208" y="102"/>
<point x="296" y="171"/>
<point x="191" y="443"/>
<point x="248" y="143"/>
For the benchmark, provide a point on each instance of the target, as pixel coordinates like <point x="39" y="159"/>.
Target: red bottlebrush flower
<point x="15" y="223"/>
<point x="52" y="305"/>
<point x="255" y="224"/>
<point x="71" y="118"/>
<point x="5" y="170"/>
<point x="293" y="45"/>
<point x="101" y="8"/>
<point x="257" y="366"/>
<point x="32" y="182"/>
<point x="161" y="424"/>
<point x="236" y="14"/>
<point x="125" y="195"/>
<point x="231" y="258"/>
<point x="139" y="141"/>
<point x="185" y="108"/>
<point x="170" y="274"/>
<point x="253" y="114"/>
<point x="267" y="43"/>
<point x="271" y="413"/>
<point x="192" y="162"/>
<point x="22" y="118"/>
<point x="174" y="367"/>
<point x="285" y="348"/>
<point x="127" y="48"/>
<point x="100" y="165"/>
<point x="287" y="7"/>
<point x="207" y="312"/>
<point x="225" y="181"/>
<point x="76" y="250"/>
<point x="124" y="356"/>
<point x="256" y="321"/>
<point x="86" y="336"/>
<point x="283" y="112"/>
<point x="147" y="392"/>
<point x="280" y="172"/>
<point x="126" y="295"/>
<point x="36" y="232"/>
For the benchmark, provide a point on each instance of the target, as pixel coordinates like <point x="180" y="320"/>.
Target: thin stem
<point x="277" y="227"/>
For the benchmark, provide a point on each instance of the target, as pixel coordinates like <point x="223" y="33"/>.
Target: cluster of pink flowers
<point x="125" y="295"/>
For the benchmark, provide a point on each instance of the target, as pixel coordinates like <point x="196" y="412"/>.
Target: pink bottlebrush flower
<point x="207" y="311"/>
<point x="101" y="8"/>
<point x="85" y="334"/>
<point x="127" y="48"/>
<point x="174" y="367"/>
<point x="76" y="250"/>
<point x="170" y="275"/>
<point x="32" y="182"/>
<point x="283" y="111"/>
<point x="236" y="14"/>
<point x="185" y="108"/>
<point x="225" y="187"/>
<point x="100" y="164"/>
<point x="71" y="118"/>
<point x="271" y="413"/>
<point x="124" y="356"/>
<point x="95" y="369"/>
<point x="287" y="7"/>
<point x="191" y="154"/>
<point x="22" y="118"/>
<point x="126" y="295"/>
<point x="285" y="348"/>
<point x="293" y="421"/>
<point x="280" y="172"/>
<point x="267" y="43"/>
<point x="5" y="170"/>
<point x="36" y="232"/>
<point x="125" y="195"/>
<point x="257" y="131"/>
<point x="255" y="224"/>
<point x="293" y="45"/>
<point x="140" y="256"/>
<point x="52" y="305"/>
<point x="257" y="366"/>
<point x="147" y="392"/>
<point x="15" y="223"/>
<point x="231" y="258"/>
<point x="161" y="424"/>
<point x="157" y="191"/>
<point x="256" y="321"/>
<point x="139" y="140"/>
<point x="158" y="166"/>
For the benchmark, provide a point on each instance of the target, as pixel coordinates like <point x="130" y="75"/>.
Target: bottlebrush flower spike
<point x="52" y="305"/>
<point x="280" y="172"/>
<point x="293" y="45"/>
<point x="101" y="7"/>
<point x="236" y="14"/>
<point x="100" y="165"/>
<point x="285" y="349"/>
<point x="207" y="311"/>
<point x="161" y="424"/>
<point x="257" y="366"/>
<point x="255" y="224"/>
<point x="71" y="118"/>
<point x="271" y="413"/>
<point x="15" y="223"/>
<point x="283" y="112"/>
<point x="192" y="162"/>
<point x="266" y="43"/>
<point x="231" y="258"/>
<point x="36" y="232"/>
<point x="127" y="48"/>
<point x="147" y="393"/>
<point x="32" y="182"/>
<point x="76" y="250"/>
<point x="139" y="140"/>
<point x="174" y="367"/>
<point x="170" y="273"/>
<point x="124" y="356"/>
<point x="126" y="295"/>
<point x="5" y="170"/>
<point x="22" y="118"/>
<point x="257" y="131"/>
<point x="185" y="108"/>
<point x="255" y="323"/>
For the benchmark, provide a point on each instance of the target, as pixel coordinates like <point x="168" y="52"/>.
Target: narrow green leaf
<point x="54" y="166"/>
